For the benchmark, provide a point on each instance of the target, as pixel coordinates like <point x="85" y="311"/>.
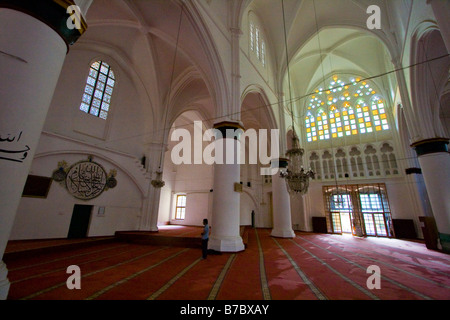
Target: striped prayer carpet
<point x="307" y="267"/>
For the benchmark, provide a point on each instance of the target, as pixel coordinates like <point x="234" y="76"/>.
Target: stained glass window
<point x="311" y="128"/>
<point x="347" y="107"/>
<point x="98" y="91"/>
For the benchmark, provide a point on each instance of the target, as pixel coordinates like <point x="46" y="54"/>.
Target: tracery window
<point x="98" y="91"/>
<point x="347" y="107"/>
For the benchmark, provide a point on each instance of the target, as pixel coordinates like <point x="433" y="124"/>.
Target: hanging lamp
<point x="158" y="181"/>
<point x="297" y="178"/>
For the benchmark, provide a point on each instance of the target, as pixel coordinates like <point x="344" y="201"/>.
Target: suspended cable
<point x="275" y="104"/>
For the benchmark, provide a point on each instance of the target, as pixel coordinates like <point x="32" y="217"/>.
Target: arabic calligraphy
<point x="86" y="180"/>
<point x="11" y="150"/>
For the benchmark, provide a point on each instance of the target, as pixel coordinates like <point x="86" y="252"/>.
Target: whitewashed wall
<point x="71" y="135"/>
<point x="50" y="218"/>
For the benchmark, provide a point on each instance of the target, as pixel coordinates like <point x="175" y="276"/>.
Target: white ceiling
<point x="144" y="33"/>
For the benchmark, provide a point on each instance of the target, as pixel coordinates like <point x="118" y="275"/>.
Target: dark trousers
<point x="204" y="248"/>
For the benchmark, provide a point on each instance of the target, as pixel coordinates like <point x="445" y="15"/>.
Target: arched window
<point x="257" y="43"/>
<point x="347" y="107"/>
<point x="98" y="91"/>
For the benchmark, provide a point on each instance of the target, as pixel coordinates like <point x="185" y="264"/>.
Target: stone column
<point x="282" y="220"/>
<point x="225" y="220"/>
<point x="149" y="218"/>
<point x="434" y="160"/>
<point x="35" y="37"/>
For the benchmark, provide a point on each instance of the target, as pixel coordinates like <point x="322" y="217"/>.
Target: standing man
<point x="205" y="238"/>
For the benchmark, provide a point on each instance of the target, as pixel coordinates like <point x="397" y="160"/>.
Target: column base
<point x="283" y="233"/>
<point x="444" y="240"/>
<point x="232" y="244"/>
<point x="4" y="282"/>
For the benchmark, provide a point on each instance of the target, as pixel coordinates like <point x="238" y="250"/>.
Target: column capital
<point x="223" y="126"/>
<point x="54" y="13"/>
<point x="433" y="145"/>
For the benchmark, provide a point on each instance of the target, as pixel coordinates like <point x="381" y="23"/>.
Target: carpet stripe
<point x="65" y="268"/>
<point x="410" y="290"/>
<point x="397" y="258"/>
<point x="262" y="271"/>
<point x="218" y="283"/>
<point x="402" y="270"/>
<point x="90" y="274"/>
<point x="161" y="290"/>
<point x="405" y="252"/>
<point x="99" y="293"/>
<point x="302" y="275"/>
<point x="354" y="284"/>
<point x="65" y="258"/>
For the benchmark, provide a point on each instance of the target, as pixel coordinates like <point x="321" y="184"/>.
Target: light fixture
<point x="158" y="182"/>
<point x="297" y="178"/>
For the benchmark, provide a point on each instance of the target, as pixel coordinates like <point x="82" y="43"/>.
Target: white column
<point x="149" y="217"/>
<point x="235" y="74"/>
<point x="434" y="160"/>
<point x="4" y="282"/>
<point x="225" y="220"/>
<point x="31" y="57"/>
<point x="282" y="220"/>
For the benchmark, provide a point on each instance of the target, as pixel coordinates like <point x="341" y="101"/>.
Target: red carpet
<point x="309" y="267"/>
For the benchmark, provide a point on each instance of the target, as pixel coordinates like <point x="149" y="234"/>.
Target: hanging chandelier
<point x="158" y="182"/>
<point x="297" y="178"/>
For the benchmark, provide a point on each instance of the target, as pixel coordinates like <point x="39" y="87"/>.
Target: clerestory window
<point x="98" y="91"/>
<point x="257" y="43"/>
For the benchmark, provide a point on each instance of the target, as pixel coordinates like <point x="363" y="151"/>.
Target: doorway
<point x="361" y="210"/>
<point x="341" y="212"/>
<point x="79" y="224"/>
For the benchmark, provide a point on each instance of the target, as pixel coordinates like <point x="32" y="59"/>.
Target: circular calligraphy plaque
<point x="86" y="180"/>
